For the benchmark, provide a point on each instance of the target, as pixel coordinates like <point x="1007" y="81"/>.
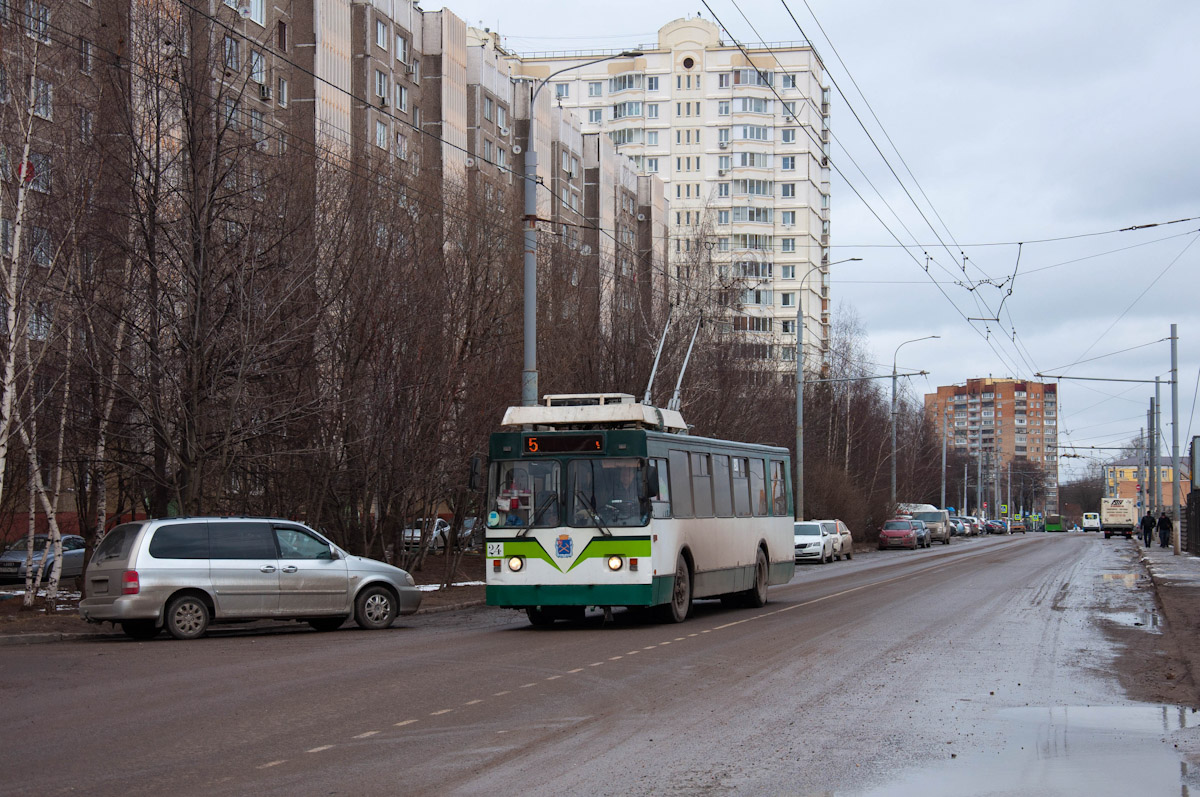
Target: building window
<point x="381" y="84"/>
<point x="381" y="34"/>
<point x="787" y="272"/>
<point x="788" y="299"/>
<point x="489" y="108"/>
<point x="562" y="91"/>
<point x="788" y="163"/>
<point x="86" y="52"/>
<point x="788" y="190"/>
<point x="42" y="97"/>
<point x="652" y="164"/>
<point x="652" y="84"/>
<point x="258" y="68"/>
<point x="381" y="134"/>
<point x="723" y="108"/>
<point x="788" y="218"/>
<point x="652" y="110"/>
<point x="723" y="135"/>
<point x="401" y="97"/>
<point x="722" y="189"/>
<point x="723" y="80"/>
<point x="416" y="71"/>
<point x="233" y="57"/>
<point x="281" y="36"/>
<point x="596" y="88"/>
<point x="257" y="128"/>
<point x="595" y="115"/>
<point x="37" y="21"/>
<point x="282" y="92"/>
<point x="401" y="49"/>
<point x="401" y="146"/>
<point x="787" y="244"/>
<point x="651" y="138"/>
<point x="789" y="135"/>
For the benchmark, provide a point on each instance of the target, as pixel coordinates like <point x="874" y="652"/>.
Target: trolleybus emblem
<point x="562" y="547"/>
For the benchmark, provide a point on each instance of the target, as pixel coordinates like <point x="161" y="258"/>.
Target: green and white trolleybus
<point x="596" y="500"/>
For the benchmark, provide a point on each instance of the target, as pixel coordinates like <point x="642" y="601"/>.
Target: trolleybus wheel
<point x="757" y="597"/>
<point x="539" y="617"/>
<point x="680" y="605"/>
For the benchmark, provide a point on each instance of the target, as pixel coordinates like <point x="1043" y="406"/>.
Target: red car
<point x="898" y="534"/>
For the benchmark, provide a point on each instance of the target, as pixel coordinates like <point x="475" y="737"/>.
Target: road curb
<point x="451" y="608"/>
<point x="37" y="639"/>
<point x="1168" y="609"/>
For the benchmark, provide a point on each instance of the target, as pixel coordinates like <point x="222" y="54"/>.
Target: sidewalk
<point x="1177" y="584"/>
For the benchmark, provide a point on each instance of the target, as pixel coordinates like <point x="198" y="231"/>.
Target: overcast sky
<point x="1022" y="121"/>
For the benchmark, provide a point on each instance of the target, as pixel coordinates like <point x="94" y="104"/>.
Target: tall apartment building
<point x="740" y="140"/>
<point x="1002" y="421"/>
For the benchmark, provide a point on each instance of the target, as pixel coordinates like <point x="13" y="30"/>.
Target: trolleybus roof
<point x="594" y="411"/>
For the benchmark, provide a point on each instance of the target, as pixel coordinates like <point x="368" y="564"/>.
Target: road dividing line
<point x="366" y="735"/>
<point x="681" y="638"/>
<point x="572" y="672"/>
<point x="595" y="664"/>
<point x="472" y="702"/>
<point x="443" y="711"/>
<point x="633" y="653"/>
<point x="501" y="694"/>
<point x="614" y="658"/>
<point x="650" y="647"/>
<point x="526" y="686"/>
<point x="554" y="677"/>
<point x="273" y="764"/>
<point x="402" y="724"/>
<point x="320" y="749"/>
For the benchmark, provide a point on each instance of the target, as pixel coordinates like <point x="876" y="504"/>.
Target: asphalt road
<point x="983" y="667"/>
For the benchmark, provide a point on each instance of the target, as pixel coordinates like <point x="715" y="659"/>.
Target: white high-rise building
<point x="741" y="141"/>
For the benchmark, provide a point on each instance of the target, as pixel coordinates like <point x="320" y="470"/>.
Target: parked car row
<point x="823" y="541"/>
<point x="904" y="532"/>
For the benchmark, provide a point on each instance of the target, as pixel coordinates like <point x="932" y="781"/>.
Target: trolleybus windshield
<point x="606" y="493"/>
<point x="522" y="491"/>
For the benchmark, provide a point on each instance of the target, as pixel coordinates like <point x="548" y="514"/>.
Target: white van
<point x="1091" y="521"/>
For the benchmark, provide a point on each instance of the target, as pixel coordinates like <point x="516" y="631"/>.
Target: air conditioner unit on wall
<point x="264" y="91"/>
<point x="723" y="145"/>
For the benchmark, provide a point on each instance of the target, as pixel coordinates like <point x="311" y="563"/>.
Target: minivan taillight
<point x="130" y="584"/>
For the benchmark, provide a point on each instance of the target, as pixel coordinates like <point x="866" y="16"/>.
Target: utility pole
<point x="1175" y="497"/>
<point x="1141" y="485"/>
<point x="979" y="479"/>
<point x="966" y="477"/>
<point x="1155" y="465"/>
<point x="1009" y="501"/>
<point x="945" y="432"/>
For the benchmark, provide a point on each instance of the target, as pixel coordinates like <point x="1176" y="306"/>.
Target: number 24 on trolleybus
<point x="595" y="500"/>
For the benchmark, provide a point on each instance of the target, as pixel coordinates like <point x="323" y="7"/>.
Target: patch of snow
<point x="433" y="587"/>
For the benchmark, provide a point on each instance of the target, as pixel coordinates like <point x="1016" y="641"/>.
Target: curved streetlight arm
<point x="529" y="376"/>
<point x="894" y="356"/>
<point x="798" y="476"/>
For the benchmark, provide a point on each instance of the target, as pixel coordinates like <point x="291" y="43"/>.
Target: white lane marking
<point x="554" y="677"/>
<point x="595" y="664"/>
<point x="499" y="694"/>
<point x="443" y="711"/>
<point x="472" y="702"/>
<point x="664" y="644"/>
<point x="365" y="735"/>
<point x="614" y="658"/>
<point x="526" y="686"/>
<point x="572" y="672"/>
<point x="693" y="635"/>
<point x="273" y="764"/>
<point x="633" y="653"/>
<point x="402" y="724"/>
<point x="650" y="647"/>
<point x="320" y="749"/>
<point x="681" y="638"/>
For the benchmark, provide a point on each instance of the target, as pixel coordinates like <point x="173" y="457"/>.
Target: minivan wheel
<point x="375" y="608"/>
<point x="140" y="629"/>
<point x="187" y="617"/>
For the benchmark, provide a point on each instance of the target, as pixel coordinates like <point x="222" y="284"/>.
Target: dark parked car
<point x="12" y="561"/>
<point x="997" y="527"/>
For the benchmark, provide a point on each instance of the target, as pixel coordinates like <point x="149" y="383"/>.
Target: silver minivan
<point x="184" y="573"/>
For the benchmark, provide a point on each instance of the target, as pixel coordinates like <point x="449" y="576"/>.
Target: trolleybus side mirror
<point x="650" y="485"/>
<point x="475" y="480"/>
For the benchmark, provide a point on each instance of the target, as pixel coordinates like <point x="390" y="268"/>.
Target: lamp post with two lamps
<point x="799" y="477"/>
<point x="529" y="377"/>
<point x="914" y="340"/>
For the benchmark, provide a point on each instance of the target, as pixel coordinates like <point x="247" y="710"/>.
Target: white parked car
<point x="814" y="542"/>
<point x="439" y="534"/>
<point x="844" y="544"/>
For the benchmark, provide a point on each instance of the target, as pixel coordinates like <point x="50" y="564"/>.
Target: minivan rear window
<point x="116" y="543"/>
<point x="242" y="540"/>
<point x="180" y="541"/>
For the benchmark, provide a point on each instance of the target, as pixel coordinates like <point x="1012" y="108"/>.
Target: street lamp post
<point x="529" y="376"/>
<point x="914" y="340"/>
<point x="799" y="477"/>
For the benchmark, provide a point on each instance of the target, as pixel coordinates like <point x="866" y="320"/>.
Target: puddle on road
<point x="1147" y="620"/>
<point x="1130" y="579"/>
<point x="1063" y="750"/>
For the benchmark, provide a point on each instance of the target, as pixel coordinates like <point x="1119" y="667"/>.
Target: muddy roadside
<point x="15" y="620"/>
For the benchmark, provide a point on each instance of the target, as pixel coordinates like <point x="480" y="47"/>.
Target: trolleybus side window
<point x="662" y="501"/>
<point x="741" y="486"/>
<point x="779" y="502"/>
<point x="681" y="486"/>
<point x="701" y="485"/>
<point x="722" y="496"/>
<point x="758" y="487"/>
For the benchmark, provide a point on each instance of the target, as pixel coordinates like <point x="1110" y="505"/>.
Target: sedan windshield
<point x="39" y="542"/>
<point x="808" y="529"/>
<point x="896" y="525"/>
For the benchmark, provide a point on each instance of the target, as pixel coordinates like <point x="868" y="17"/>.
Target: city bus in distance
<point x="594" y="500"/>
<point x="1054" y="523"/>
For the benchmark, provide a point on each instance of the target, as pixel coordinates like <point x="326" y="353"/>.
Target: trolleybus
<point x="595" y="500"/>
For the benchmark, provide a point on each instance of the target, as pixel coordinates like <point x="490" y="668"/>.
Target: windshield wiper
<point x="591" y="507"/>
<point x="537" y="515"/>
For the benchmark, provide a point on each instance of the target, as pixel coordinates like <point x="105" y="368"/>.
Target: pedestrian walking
<point x="1148" y="529"/>
<point x="1164" y="530"/>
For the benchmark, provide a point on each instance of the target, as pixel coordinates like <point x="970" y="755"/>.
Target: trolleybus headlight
<point x="614" y="563"/>
<point x="516" y="563"/>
